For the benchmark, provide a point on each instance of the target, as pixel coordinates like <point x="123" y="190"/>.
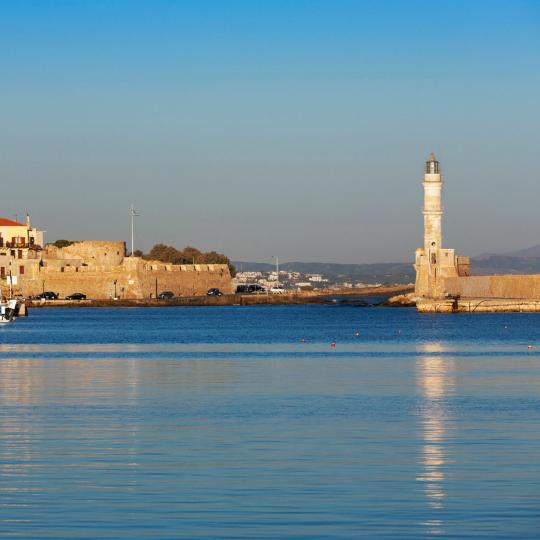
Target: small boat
<point x="8" y="310"/>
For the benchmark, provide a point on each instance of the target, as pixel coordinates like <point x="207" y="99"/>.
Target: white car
<point x="277" y="289"/>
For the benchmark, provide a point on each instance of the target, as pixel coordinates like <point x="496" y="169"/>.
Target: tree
<point x="62" y="243"/>
<point x="188" y="255"/>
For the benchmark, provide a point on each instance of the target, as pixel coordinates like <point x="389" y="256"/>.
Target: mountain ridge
<point x="522" y="261"/>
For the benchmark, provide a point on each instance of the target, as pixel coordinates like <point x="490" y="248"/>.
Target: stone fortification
<point x="100" y="270"/>
<point x="184" y="279"/>
<point x="97" y="252"/>
<point x="523" y="287"/>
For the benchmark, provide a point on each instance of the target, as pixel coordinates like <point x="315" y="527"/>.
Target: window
<point x="12" y="252"/>
<point x="61" y="269"/>
<point x="2" y="272"/>
<point x="433" y="258"/>
<point x="21" y="270"/>
<point x="19" y="254"/>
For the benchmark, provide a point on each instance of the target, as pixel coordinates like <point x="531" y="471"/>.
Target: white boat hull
<point x="7" y="311"/>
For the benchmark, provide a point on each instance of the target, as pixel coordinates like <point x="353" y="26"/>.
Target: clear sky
<point x="256" y="128"/>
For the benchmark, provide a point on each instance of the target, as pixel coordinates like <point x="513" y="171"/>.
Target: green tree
<point x="62" y="243"/>
<point x="188" y="255"/>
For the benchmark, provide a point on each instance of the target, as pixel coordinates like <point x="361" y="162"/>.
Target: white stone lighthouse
<point x="432" y="210"/>
<point x="433" y="263"/>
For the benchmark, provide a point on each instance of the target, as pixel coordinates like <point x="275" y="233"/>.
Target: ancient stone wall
<point x="508" y="286"/>
<point x="184" y="280"/>
<point x="134" y="278"/>
<point x="98" y="252"/>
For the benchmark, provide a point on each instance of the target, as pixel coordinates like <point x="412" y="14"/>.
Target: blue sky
<point x="296" y="128"/>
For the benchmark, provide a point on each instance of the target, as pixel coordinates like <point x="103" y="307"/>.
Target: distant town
<point x="294" y="281"/>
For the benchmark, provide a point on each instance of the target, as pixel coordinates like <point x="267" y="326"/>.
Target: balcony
<point x="18" y="245"/>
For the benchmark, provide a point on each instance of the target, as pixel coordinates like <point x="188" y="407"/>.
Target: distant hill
<point x="367" y="273"/>
<point x="531" y="252"/>
<point x="522" y="261"/>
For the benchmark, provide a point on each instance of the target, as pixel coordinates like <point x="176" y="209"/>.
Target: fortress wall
<point x="507" y="286"/>
<point x="134" y="278"/>
<point x="99" y="252"/>
<point x="95" y="282"/>
<point x="185" y="280"/>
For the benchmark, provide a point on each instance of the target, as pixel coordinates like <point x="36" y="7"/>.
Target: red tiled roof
<point x="5" y="222"/>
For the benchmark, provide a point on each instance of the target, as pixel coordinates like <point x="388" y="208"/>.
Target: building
<point x="443" y="279"/>
<point x="317" y="278"/>
<point x="20" y="248"/>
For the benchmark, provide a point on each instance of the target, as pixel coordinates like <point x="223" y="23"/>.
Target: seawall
<point x="479" y="305"/>
<point x="225" y="300"/>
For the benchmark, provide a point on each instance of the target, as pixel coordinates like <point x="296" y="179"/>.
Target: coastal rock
<point x="401" y="300"/>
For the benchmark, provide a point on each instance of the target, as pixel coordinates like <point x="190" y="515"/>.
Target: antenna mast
<point x="133" y="213"/>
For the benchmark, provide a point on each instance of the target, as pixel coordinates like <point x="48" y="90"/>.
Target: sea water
<point x="246" y="422"/>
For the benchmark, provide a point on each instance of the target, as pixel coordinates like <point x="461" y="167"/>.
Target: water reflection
<point x="435" y="382"/>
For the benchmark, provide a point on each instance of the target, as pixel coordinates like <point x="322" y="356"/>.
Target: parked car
<point x="47" y="295"/>
<point x="76" y="296"/>
<point x="166" y="295"/>
<point x="278" y="289"/>
<point x="255" y="289"/>
<point x="252" y="288"/>
<point x="214" y="292"/>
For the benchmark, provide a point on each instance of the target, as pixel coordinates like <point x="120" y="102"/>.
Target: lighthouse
<point x="432" y="211"/>
<point x="433" y="263"/>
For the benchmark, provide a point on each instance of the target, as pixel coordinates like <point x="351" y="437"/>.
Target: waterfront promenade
<point x="308" y="297"/>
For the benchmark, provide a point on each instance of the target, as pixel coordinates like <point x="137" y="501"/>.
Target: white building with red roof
<point x="20" y="246"/>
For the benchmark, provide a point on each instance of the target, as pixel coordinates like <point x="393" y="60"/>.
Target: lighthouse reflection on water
<point x="436" y="383"/>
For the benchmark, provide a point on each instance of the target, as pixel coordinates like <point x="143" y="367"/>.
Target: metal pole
<point x="132" y="212"/>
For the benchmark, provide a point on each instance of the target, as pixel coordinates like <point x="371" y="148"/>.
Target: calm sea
<point x="244" y="422"/>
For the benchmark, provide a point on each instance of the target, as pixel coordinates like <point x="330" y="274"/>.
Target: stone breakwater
<point x="225" y="300"/>
<point x="478" y="305"/>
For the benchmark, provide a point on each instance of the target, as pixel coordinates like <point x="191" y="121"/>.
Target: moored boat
<point x="8" y="310"/>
